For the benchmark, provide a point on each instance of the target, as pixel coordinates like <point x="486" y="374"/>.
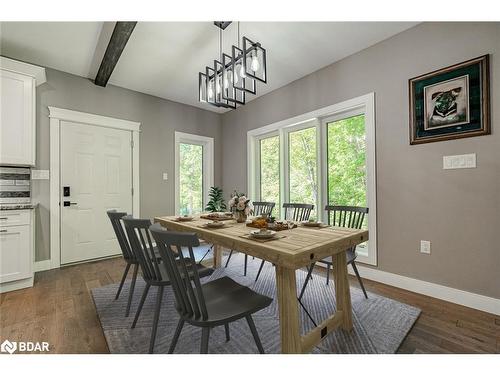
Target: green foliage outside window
<point x="190" y="179"/>
<point x="347" y="162"/>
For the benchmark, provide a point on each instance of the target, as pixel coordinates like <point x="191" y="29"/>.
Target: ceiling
<point x="163" y="58"/>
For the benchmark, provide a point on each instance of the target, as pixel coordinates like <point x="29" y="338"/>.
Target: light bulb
<point x="226" y="81"/>
<point x="235" y="76"/>
<point x="254" y="65"/>
<point x="217" y="86"/>
<point x="242" y="71"/>
<point x="210" y="90"/>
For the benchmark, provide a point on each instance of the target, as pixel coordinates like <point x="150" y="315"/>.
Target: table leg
<point x="288" y="310"/>
<point x="342" y="291"/>
<point x="217" y="256"/>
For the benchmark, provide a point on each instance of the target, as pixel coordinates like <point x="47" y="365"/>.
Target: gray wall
<point x="159" y="119"/>
<point x="457" y="210"/>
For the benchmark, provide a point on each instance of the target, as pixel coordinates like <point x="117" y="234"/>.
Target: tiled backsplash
<point x="15" y="185"/>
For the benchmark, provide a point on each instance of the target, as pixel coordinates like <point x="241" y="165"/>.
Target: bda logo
<point x="8" y="347"/>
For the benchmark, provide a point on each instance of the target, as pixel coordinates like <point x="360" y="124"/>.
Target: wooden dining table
<point x="292" y="250"/>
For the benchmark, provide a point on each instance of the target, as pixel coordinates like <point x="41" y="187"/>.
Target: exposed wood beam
<point x="118" y="41"/>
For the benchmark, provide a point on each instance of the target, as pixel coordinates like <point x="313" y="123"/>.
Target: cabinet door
<point x="15" y="253"/>
<point x="17" y="119"/>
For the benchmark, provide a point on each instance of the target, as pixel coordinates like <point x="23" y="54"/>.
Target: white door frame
<point x="57" y="115"/>
<point x="208" y="163"/>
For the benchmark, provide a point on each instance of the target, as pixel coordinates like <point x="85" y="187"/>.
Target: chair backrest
<point x="263" y="208"/>
<point x="297" y="211"/>
<point x="142" y="246"/>
<point x="346" y="216"/>
<point x="123" y="241"/>
<point x="185" y="280"/>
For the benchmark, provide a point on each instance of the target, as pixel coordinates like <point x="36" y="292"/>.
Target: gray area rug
<point x="380" y="324"/>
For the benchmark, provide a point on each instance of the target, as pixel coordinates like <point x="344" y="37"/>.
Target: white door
<point x="96" y="166"/>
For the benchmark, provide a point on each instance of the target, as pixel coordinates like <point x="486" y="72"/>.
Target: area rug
<point x="380" y="324"/>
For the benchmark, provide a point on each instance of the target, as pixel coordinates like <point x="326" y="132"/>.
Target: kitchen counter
<point x="18" y="206"/>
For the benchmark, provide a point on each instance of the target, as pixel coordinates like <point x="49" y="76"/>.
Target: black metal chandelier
<point x="227" y="82"/>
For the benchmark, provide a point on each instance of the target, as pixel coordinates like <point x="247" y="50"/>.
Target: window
<point x="190" y="179"/>
<point x="322" y="157"/>
<point x="302" y="167"/>
<point x="269" y="172"/>
<point x="193" y="172"/>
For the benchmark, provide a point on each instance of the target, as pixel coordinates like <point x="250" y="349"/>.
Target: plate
<point x="263" y="235"/>
<point x="184" y="218"/>
<point x="215" y="224"/>
<point x="312" y="223"/>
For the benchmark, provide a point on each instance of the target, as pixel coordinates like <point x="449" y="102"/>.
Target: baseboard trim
<point x="460" y="297"/>
<point x="42" y="265"/>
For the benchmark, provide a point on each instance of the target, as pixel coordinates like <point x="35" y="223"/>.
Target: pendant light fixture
<point x="226" y="83"/>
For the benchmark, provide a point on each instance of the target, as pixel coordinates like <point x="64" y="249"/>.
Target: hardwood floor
<point x="59" y="309"/>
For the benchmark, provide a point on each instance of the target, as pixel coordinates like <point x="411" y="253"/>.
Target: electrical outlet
<point x="165" y="176"/>
<point x="425" y="247"/>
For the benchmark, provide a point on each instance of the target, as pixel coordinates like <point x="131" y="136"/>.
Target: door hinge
<point x="132" y="191"/>
<point x="132" y="144"/>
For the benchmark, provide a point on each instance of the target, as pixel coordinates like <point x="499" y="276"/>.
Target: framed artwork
<point x="450" y="103"/>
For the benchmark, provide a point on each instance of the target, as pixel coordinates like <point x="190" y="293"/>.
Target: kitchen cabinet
<point x="18" y="83"/>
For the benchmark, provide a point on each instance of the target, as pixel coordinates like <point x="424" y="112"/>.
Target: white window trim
<point x="57" y="117"/>
<point x="363" y="104"/>
<point x="208" y="163"/>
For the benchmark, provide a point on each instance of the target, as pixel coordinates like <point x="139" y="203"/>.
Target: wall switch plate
<point x="459" y="161"/>
<point x="40" y="174"/>
<point x="425" y="247"/>
<point x="165" y="176"/>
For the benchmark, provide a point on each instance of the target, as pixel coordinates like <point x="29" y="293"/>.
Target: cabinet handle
<point x="3" y="231"/>
<point x="4" y="218"/>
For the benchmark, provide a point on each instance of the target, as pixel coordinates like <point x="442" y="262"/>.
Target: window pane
<point x="190" y="178"/>
<point x="303" y="167"/>
<point x="347" y="162"/>
<point x="347" y="166"/>
<point x="270" y="172"/>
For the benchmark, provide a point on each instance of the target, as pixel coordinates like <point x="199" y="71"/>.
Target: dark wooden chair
<point x="293" y="212"/>
<point x="349" y="217"/>
<point x="153" y="272"/>
<point x="128" y="255"/>
<point x="259" y="209"/>
<point x="218" y="302"/>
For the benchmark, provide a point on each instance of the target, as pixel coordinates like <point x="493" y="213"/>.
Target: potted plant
<point x="240" y="206"/>
<point x="216" y="202"/>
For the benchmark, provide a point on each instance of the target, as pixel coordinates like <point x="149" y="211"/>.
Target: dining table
<point x="290" y="250"/>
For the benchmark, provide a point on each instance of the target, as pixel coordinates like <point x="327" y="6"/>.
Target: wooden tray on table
<point x="219" y="217"/>
<point x="271" y="226"/>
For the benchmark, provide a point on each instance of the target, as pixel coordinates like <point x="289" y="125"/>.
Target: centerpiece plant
<point x="240" y="205"/>
<point x="216" y="202"/>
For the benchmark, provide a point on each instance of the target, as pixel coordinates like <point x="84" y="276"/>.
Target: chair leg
<point x="229" y="258"/>
<point x="246" y="263"/>
<point x="359" y="278"/>
<point x="328" y="273"/>
<point x="255" y="334"/>
<point x="177" y="333"/>
<point x="203" y="257"/>
<point x="260" y="270"/>
<point x="139" y="309"/>
<point x="125" y="273"/>
<point x="131" y="291"/>
<point x="308" y="277"/>
<point x="205" y="334"/>
<point x="155" y="319"/>
<point x="226" y="328"/>
<point x="307" y="313"/>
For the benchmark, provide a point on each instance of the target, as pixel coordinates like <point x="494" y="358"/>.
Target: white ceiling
<point x="164" y="58"/>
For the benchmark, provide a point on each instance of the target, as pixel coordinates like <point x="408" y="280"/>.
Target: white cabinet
<point x="16" y="249"/>
<point x="15" y="254"/>
<point x="18" y="83"/>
